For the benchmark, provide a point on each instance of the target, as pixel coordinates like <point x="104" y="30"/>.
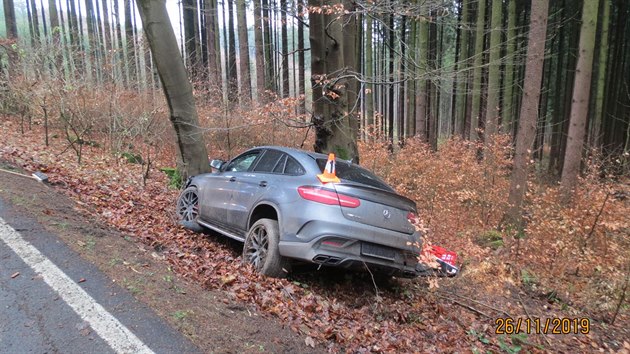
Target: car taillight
<point x="412" y="217"/>
<point x="326" y="196"/>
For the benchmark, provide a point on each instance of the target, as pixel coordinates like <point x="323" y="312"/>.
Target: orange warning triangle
<point x="329" y="175"/>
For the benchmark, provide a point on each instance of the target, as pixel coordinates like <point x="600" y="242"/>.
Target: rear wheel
<point x="188" y="209"/>
<point x="261" y="249"/>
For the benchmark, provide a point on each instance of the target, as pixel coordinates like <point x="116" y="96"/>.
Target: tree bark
<point x="130" y="44"/>
<point x="422" y="43"/>
<point x="212" y="35"/>
<point x="12" y="35"/>
<point x="231" y="62"/>
<point x="260" y="55"/>
<point x="477" y="70"/>
<point x="508" y="118"/>
<point x="285" y="48"/>
<point x="243" y="54"/>
<point x="177" y="88"/>
<point x="331" y="118"/>
<point x="594" y="136"/>
<point x="494" y="74"/>
<point x="268" y="47"/>
<point x="461" y="74"/>
<point x="370" y="92"/>
<point x="301" y="57"/>
<point x="529" y="110"/>
<point x="579" y="104"/>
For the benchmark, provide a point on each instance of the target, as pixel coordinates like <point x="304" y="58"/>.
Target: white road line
<point x="114" y="333"/>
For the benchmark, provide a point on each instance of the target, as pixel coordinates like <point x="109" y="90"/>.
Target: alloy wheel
<point x="188" y="206"/>
<point x="257" y="247"/>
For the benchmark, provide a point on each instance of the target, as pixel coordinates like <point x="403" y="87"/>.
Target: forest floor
<point x="103" y="210"/>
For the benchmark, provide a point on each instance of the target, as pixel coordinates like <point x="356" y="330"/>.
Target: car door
<point x="217" y="197"/>
<point x="249" y="187"/>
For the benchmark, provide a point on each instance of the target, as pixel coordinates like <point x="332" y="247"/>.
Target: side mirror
<point x="217" y="164"/>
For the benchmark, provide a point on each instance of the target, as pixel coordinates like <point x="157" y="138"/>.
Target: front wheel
<point x="188" y="209"/>
<point x="261" y="249"/>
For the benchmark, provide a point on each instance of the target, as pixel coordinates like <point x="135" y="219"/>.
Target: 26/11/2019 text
<point x="535" y="325"/>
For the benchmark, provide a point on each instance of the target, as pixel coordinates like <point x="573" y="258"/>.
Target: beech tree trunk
<point x="581" y="95"/>
<point x="177" y="88"/>
<point x="331" y="118"/>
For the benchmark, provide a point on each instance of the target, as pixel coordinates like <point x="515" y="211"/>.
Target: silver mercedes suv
<point x="272" y="199"/>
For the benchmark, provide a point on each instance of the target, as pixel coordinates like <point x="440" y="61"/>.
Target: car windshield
<point x="354" y="173"/>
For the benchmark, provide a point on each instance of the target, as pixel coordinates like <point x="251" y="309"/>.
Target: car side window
<point x="293" y="167"/>
<point x="280" y="165"/>
<point x="268" y="161"/>
<point x="242" y="163"/>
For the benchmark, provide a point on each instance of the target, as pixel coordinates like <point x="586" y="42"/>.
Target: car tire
<point x="188" y="209"/>
<point x="261" y="249"/>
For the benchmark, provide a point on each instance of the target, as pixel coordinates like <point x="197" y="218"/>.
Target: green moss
<point x="174" y="177"/>
<point x="490" y="238"/>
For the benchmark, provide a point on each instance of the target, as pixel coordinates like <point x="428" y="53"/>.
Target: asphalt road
<point x="45" y="307"/>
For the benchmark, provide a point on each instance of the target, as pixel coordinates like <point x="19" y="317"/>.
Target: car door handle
<point x="263" y="183"/>
<point x="232" y="179"/>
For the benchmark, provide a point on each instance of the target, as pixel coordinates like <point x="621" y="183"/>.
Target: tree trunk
<point x="12" y="35"/>
<point x="370" y="92"/>
<point x="268" y="47"/>
<point x="433" y="108"/>
<point x="508" y="118"/>
<point x="461" y="74"/>
<point x="107" y="37"/>
<point x="581" y="92"/>
<point x="231" y="62"/>
<point x="285" y="48"/>
<point x="477" y="70"/>
<point x="494" y="74"/>
<point x="529" y="110"/>
<point x="120" y="58"/>
<point x="422" y="43"/>
<point x="391" y="43"/>
<point x="130" y="44"/>
<point x="33" y="20"/>
<point x="177" y="87"/>
<point x="331" y="118"/>
<point x="301" y="57"/>
<point x="260" y="54"/>
<point x="595" y="140"/>
<point x="243" y="54"/>
<point x="349" y="65"/>
<point x="212" y="35"/>
<point x="188" y="18"/>
<point x="56" y="37"/>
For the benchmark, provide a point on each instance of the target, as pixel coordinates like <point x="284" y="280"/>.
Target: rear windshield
<point x="354" y="173"/>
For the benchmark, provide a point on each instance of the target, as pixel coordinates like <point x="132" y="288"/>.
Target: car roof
<point x="289" y="150"/>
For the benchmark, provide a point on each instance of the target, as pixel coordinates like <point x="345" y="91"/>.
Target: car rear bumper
<point x="354" y="246"/>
